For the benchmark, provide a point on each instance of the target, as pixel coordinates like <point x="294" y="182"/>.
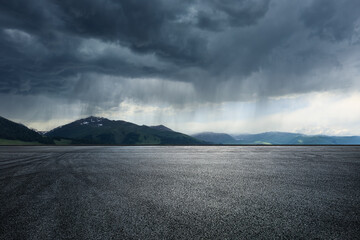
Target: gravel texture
<point x="166" y="192"/>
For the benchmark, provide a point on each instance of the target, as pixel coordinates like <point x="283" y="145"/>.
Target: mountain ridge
<point x="98" y="130"/>
<point x="279" y="138"/>
<point x="102" y="131"/>
<point x="217" y="138"/>
<point x="17" y="133"/>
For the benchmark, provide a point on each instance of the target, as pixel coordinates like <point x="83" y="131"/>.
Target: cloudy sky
<point x="235" y="66"/>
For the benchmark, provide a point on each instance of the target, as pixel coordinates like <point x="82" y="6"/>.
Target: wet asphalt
<point x="205" y="192"/>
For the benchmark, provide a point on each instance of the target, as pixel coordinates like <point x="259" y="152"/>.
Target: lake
<point x="184" y="192"/>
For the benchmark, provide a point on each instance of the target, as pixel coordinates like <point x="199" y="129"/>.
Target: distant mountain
<point x="269" y="138"/>
<point x="278" y="138"/>
<point x="15" y="133"/>
<point x="97" y="130"/>
<point x="218" y="138"/>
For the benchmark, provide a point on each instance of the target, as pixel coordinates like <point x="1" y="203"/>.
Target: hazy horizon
<point x="193" y="66"/>
<point x="233" y="134"/>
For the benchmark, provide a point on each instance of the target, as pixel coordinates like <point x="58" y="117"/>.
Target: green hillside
<point x="17" y="142"/>
<point x="12" y="133"/>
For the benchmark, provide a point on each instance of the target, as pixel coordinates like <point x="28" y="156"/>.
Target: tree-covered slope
<point x="18" y="133"/>
<point x="96" y="130"/>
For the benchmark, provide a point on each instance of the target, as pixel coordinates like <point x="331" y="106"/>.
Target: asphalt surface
<point x="180" y="192"/>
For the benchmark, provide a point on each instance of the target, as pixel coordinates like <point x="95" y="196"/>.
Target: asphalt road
<point x="180" y="192"/>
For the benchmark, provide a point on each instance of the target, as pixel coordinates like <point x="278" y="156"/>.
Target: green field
<point x="63" y="142"/>
<point x="17" y="142"/>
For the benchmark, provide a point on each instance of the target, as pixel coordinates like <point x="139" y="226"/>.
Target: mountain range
<point x="98" y="130"/>
<point x="102" y="131"/>
<point x="277" y="138"/>
<point x="94" y="130"/>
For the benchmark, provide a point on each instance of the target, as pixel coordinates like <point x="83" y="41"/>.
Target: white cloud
<point x="330" y="113"/>
<point x="327" y="113"/>
<point x="315" y="113"/>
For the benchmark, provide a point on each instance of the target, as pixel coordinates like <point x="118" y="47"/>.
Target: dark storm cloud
<point x="226" y="50"/>
<point x="216" y="15"/>
<point x="331" y="19"/>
